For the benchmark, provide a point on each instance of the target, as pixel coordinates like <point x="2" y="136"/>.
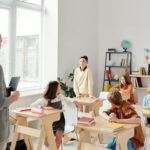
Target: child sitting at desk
<point x="146" y="103"/>
<point x="53" y="98"/>
<point x="125" y="86"/>
<point x="122" y="112"/>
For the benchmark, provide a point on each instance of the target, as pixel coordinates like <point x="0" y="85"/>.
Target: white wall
<point x="77" y="36"/>
<point x="50" y="41"/>
<point x="119" y="20"/>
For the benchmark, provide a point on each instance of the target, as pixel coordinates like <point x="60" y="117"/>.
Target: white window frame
<point x="12" y="8"/>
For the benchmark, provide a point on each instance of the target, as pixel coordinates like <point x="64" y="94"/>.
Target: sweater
<point x="83" y="82"/>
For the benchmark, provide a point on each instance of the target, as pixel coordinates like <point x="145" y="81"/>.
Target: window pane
<point x="4" y="32"/>
<point x="38" y="2"/>
<point x="27" y="47"/>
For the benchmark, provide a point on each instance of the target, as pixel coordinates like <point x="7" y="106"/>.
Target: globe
<point x="125" y="45"/>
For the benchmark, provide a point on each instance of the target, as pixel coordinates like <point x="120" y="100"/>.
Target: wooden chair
<point x="88" y="146"/>
<point x="70" y="118"/>
<point x="147" y="131"/>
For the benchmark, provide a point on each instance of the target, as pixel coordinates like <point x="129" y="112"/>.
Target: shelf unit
<point x="128" y="67"/>
<point x="140" y="76"/>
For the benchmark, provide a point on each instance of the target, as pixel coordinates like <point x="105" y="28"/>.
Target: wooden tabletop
<point x="140" y="108"/>
<point x="99" y="122"/>
<point x="34" y="115"/>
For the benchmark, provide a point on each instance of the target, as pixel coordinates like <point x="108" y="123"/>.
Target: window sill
<point x="30" y="92"/>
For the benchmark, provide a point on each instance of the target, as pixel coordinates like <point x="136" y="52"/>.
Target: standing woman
<point x="83" y="80"/>
<point x="125" y="86"/>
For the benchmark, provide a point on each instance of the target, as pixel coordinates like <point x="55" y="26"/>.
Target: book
<point x="26" y="109"/>
<point x="111" y="50"/>
<point x="139" y="82"/>
<point x="146" y="110"/>
<point x="143" y="71"/>
<point x="108" y="73"/>
<point x="94" y="99"/>
<point x="37" y="110"/>
<point x="86" y="121"/>
<point x="112" y="127"/>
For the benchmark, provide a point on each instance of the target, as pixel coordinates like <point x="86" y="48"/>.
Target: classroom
<point x="74" y="75"/>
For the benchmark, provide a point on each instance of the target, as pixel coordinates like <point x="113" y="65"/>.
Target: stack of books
<point x="86" y="121"/>
<point x="112" y="127"/>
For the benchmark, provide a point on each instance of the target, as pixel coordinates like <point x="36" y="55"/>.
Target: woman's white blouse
<point x="43" y="102"/>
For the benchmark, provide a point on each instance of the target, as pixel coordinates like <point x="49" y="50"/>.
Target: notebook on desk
<point x="112" y="127"/>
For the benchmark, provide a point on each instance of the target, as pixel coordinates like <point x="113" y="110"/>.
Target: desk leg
<point x="122" y="139"/>
<point x="100" y="137"/>
<point x="21" y="121"/>
<point x="84" y="137"/>
<point x="95" y="109"/>
<point x="41" y="139"/>
<point x="47" y="125"/>
<point x="27" y="138"/>
<point x="15" y="136"/>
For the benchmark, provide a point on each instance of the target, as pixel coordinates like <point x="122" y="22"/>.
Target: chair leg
<point x="66" y="139"/>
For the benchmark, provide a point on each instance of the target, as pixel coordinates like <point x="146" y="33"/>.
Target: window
<point x="23" y="25"/>
<point x="24" y="45"/>
<point x="28" y="46"/>
<point x="4" y="32"/>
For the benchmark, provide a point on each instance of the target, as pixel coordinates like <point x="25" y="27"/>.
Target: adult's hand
<point x="14" y="97"/>
<point x="78" y="96"/>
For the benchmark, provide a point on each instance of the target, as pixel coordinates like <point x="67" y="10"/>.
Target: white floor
<point x="72" y="145"/>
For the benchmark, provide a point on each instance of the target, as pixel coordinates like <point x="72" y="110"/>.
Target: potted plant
<point x="68" y="91"/>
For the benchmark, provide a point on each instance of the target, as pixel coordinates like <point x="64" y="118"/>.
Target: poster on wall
<point x="147" y="56"/>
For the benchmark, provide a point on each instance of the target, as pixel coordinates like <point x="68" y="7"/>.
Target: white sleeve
<point x="66" y="99"/>
<point x="39" y="102"/>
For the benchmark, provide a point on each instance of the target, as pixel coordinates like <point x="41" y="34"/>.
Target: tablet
<point x="14" y="83"/>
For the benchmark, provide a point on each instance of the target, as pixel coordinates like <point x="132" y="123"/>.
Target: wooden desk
<point x="121" y="136"/>
<point x="138" y="107"/>
<point x="46" y="119"/>
<point x="87" y="102"/>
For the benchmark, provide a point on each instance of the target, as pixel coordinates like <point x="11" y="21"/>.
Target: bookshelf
<point x="127" y="65"/>
<point x="140" y="77"/>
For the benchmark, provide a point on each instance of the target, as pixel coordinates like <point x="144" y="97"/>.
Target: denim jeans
<point x="112" y="145"/>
